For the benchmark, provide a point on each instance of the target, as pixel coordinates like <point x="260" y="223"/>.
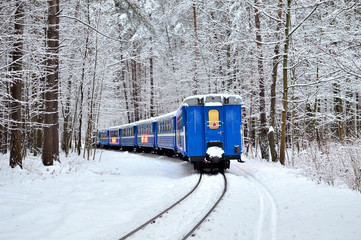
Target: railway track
<point x="266" y="226"/>
<point x="173" y="206"/>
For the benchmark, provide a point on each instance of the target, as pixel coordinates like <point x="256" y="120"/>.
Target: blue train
<point x="205" y="130"/>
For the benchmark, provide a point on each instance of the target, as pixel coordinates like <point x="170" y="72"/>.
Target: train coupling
<point x="206" y="161"/>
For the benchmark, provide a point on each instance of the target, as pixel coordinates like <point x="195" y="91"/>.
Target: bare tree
<point x="51" y="136"/>
<point x="195" y="66"/>
<point x="285" y="84"/>
<point x="16" y="87"/>
<point x="275" y="60"/>
<point x="262" y="103"/>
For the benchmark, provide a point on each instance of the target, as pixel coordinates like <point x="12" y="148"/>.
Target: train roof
<point x="141" y="122"/>
<point x="213" y="100"/>
<point x="197" y="100"/>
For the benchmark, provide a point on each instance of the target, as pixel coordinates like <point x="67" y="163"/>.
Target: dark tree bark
<point x="51" y="135"/>
<point x="55" y="128"/>
<point x="195" y="73"/>
<point x="358" y="114"/>
<point x="152" y="107"/>
<point x="262" y="103"/>
<point x="81" y="92"/>
<point x="4" y="130"/>
<point x="271" y="135"/>
<point x="16" y="88"/>
<point x="338" y="108"/>
<point x="135" y="93"/>
<point x="66" y="115"/>
<point x="285" y="86"/>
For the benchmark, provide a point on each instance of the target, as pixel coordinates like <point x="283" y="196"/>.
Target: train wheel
<point x="170" y="153"/>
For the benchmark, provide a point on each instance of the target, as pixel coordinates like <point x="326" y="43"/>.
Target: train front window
<point x="213" y="119"/>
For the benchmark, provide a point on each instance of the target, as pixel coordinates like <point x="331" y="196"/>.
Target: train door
<point x="214" y="129"/>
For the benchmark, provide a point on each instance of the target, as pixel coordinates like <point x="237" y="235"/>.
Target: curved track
<point x="210" y="211"/>
<point x="191" y="232"/>
<point x="267" y="214"/>
<point x="160" y="214"/>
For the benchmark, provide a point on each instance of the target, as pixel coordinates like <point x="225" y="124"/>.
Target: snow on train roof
<point x="196" y="100"/>
<point x="146" y="121"/>
<point x="213" y="100"/>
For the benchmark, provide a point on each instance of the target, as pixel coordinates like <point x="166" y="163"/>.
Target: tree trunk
<point x="4" y="129"/>
<point x="271" y="135"/>
<point x="195" y="73"/>
<point x="92" y="102"/>
<point x="285" y="86"/>
<point x="262" y="103"/>
<point x="338" y="108"/>
<point x="55" y="127"/>
<point x="81" y="92"/>
<point x="151" y="77"/>
<point x="16" y="88"/>
<point x="67" y="132"/>
<point x="51" y="139"/>
<point x="135" y="93"/>
<point x="358" y="114"/>
<point x="152" y="108"/>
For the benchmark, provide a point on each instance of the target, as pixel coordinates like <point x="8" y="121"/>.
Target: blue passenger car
<point x="114" y="137"/>
<point x="209" y="130"/>
<point x="166" y="138"/>
<point x="128" y="137"/>
<point x="103" y="140"/>
<point x="146" y="136"/>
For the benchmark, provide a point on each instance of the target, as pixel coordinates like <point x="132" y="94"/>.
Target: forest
<point x="70" y="67"/>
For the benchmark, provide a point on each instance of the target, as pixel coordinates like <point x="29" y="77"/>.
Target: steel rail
<point x="166" y="210"/>
<point x="210" y="211"/>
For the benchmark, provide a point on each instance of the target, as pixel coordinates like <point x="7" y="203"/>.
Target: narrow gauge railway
<point x="205" y="130"/>
<point x="268" y="210"/>
<point x="167" y="210"/>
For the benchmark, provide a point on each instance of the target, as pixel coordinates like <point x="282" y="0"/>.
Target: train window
<point x="213" y="119"/>
<point x="179" y="122"/>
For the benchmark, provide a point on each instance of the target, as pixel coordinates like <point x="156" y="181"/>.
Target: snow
<point x="213" y="104"/>
<point x="110" y="196"/>
<point x="215" y="152"/>
<point x="270" y="129"/>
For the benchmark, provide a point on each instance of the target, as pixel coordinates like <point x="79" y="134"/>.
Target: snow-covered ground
<point x="108" y="197"/>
